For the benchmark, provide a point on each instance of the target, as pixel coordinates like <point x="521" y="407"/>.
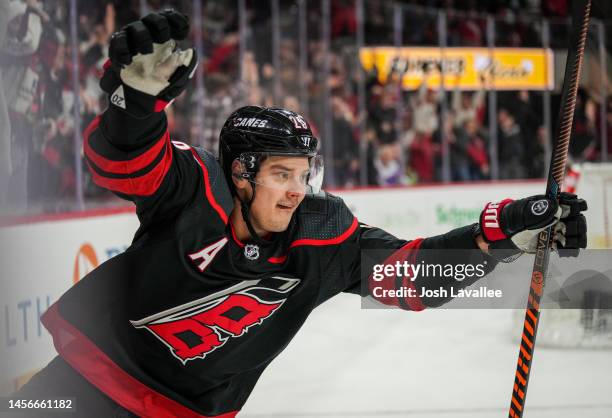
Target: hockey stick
<point x="580" y="18"/>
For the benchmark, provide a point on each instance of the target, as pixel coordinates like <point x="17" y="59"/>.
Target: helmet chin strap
<point x="245" y="207"/>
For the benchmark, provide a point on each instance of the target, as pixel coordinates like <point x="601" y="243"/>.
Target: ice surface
<point x="349" y="362"/>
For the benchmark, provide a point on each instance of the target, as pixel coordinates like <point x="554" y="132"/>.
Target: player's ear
<point x="237" y="169"/>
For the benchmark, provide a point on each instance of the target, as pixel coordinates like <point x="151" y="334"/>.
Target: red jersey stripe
<point x="122" y="167"/>
<point x="330" y="241"/>
<point x="144" y="185"/>
<point x="407" y="252"/>
<point x="236" y="240"/>
<point x="101" y="371"/>
<point x="277" y="260"/>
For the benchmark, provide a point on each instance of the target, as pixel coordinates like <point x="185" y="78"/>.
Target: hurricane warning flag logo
<point x="197" y="328"/>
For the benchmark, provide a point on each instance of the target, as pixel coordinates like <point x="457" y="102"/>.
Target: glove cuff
<point x="490" y="221"/>
<point x="137" y="103"/>
<point x="129" y="100"/>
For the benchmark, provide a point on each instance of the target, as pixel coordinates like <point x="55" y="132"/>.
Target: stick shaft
<point x="580" y="14"/>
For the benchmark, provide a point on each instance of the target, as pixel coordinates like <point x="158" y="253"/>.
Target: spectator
<point x="457" y="141"/>
<point x="425" y="108"/>
<point x="527" y="113"/>
<point x="582" y="145"/>
<point x="467" y="106"/>
<point x="422" y="155"/>
<point x="384" y="116"/>
<point x="42" y="114"/>
<point x="476" y="151"/>
<point x="345" y="162"/>
<point x="511" y="147"/>
<point x="388" y="168"/>
<point x="20" y="85"/>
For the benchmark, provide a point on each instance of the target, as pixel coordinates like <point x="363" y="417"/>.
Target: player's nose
<point x="294" y="196"/>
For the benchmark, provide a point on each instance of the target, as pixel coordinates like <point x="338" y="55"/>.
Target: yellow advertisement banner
<point x="463" y="68"/>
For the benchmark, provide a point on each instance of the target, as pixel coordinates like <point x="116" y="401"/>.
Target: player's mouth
<point x="286" y="206"/>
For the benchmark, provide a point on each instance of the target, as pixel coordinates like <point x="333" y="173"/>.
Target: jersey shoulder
<point x="215" y="178"/>
<point x="324" y="217"/>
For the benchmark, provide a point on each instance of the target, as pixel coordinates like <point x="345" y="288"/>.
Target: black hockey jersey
<point x="185" y="321"/>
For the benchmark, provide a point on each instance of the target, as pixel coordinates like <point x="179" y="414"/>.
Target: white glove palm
<point x="150" y="73"/>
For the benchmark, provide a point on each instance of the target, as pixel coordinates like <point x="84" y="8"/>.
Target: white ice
<point x="349" y="362"/>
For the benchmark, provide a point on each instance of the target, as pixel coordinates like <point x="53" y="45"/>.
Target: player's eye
<point x="282" y="176"/>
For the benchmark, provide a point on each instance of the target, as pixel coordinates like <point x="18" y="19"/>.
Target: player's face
<point x="281" y="186"/>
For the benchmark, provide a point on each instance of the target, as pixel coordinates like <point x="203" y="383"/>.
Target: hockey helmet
<point x="253" y="133"/>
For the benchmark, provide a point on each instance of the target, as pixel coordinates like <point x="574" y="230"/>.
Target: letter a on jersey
<point x="207" y="254"/>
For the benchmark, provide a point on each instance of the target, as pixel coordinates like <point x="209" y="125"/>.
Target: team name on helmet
<point x="251" y="122"/>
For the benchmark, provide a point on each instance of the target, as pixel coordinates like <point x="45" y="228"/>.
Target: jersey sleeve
<point x="370" y="246"/>
<point x="349" y="267"/>
<point x="341" y="263"/>
<point x="136" y="159"/>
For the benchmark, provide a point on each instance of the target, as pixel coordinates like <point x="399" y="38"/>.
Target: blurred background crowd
<point x="304" y="56"/>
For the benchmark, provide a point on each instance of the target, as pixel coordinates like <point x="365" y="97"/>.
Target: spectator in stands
<point x="476" y="150"/>
<point x="344" y="18"/>
<point x="467" y="105"/>
<point x="50" y="131"/>
<point x="582" y="146"/>
<point x="345" y="157"/>
<point x="384" y="116"/>
<point x="20" y="85"/>
<point x="536" y="163"/>
<point x="457" y="141"/>
<point x="425" y="107"/>
<point x="422" y="154"/>
<point x="511" y="147"/>
<point x="528" y="117"/>
<point x="388" y="168"/>
<point x="52" y="166"/>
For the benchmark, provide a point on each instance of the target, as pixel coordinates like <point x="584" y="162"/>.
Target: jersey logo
<point x="197" y="328"/>
<point x="203" y="257"/>
<point x="251" y="251"/>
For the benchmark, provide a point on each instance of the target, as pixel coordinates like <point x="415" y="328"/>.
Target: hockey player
<point x="232" y="254"/>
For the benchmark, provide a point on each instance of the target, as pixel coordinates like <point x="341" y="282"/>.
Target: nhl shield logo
<point x="251" y="251"/>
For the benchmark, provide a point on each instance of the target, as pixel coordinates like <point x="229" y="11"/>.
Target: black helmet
<point x="253" y="133"/>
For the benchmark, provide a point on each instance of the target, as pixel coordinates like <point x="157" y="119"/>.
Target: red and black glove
<point x="145" y="70"/>
<point x="511" y="227"/>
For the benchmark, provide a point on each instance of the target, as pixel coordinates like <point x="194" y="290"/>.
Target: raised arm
<point x="128" y="147"/>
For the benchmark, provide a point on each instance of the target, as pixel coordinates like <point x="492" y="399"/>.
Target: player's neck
<point x="240" y="227"/>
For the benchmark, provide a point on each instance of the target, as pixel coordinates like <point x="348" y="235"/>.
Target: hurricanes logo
<point x="195" y="329"/>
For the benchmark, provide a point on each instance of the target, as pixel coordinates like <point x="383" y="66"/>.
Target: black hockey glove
<point x="511" y="227"/>
<point x="145" y="70"/>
